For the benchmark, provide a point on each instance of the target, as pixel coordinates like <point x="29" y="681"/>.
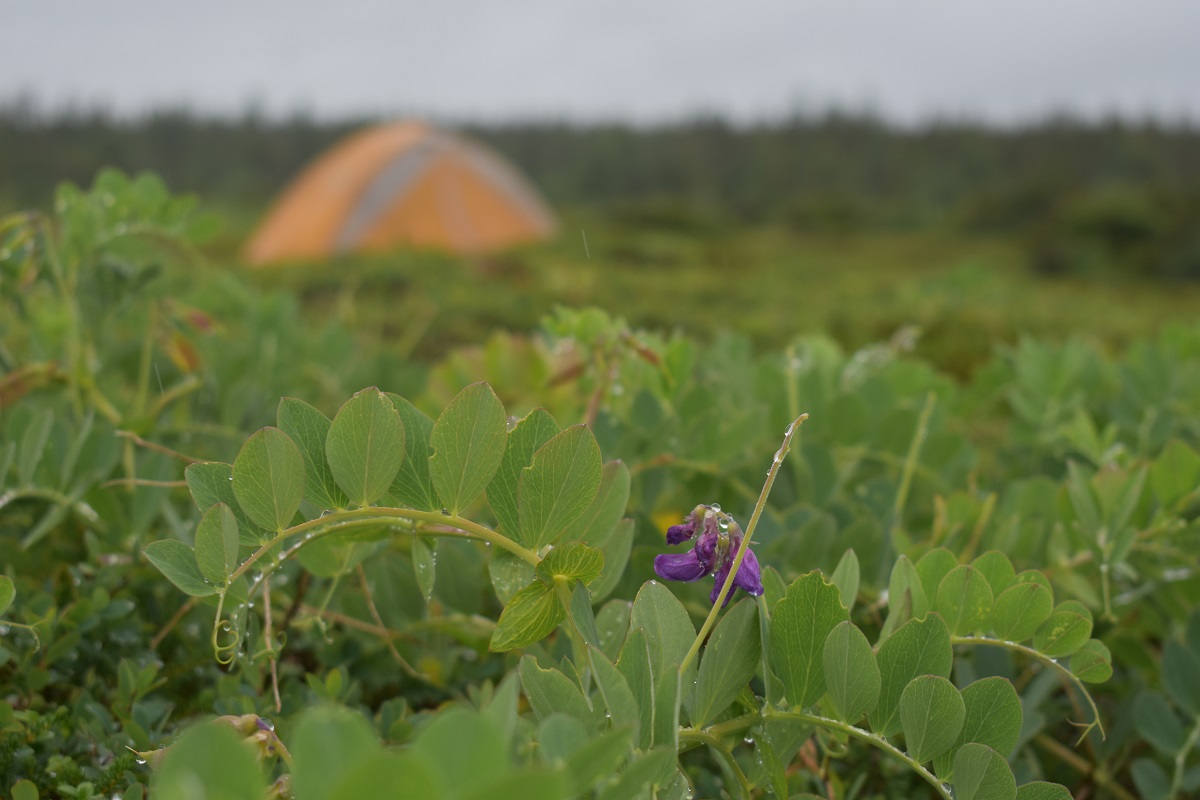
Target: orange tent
<point x="403" y="183"/>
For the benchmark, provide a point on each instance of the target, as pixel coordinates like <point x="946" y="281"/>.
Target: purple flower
<point x="715" y="548"/>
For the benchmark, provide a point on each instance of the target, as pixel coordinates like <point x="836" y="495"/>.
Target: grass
<point x="966" y="294"/>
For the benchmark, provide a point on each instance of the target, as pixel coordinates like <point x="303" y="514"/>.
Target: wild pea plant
<point x="617" y="696"/>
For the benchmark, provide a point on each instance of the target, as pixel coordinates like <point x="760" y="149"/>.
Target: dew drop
<point x="141" y="762"/>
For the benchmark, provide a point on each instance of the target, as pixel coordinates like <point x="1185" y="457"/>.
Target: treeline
<point x="1083" y="195"/>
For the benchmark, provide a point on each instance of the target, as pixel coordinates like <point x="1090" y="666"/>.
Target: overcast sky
<point x="640" y="60"/>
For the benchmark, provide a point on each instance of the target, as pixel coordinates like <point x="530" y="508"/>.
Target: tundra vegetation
<point x="592" y="561"/>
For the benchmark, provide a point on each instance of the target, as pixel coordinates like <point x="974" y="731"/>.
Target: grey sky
<point x="640" y="60"/>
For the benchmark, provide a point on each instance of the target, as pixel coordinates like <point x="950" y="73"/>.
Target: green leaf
<point x="413" y="486"/>
<point x="529" y="784"/>
<point x="612" y="626"/>
<point x="1092" y="663"/>
<point x="851" y="674"/>
<point x="389" y="772"/>
<point x="1151" y="780"/>
<point x="597" y="759"/>
<point x="980" y="773"/>
<point x="217" y="543"/>
<point x="1181" y="675"/>
<point x="653" y="767"/>
<point x="933" y="567"/>
<point x="964" y="599"/>
<point x="309" y="428"/>
<point x="615" y="547"/>
<point x="1020" y="610"/>
<point x="1176" y="473"/>
<point x="618" y="697"/>
<point x="846" y="577"/>
<point x="537" y="428"/>
<point x="667" y="700"/>
<point x="920" y="647"/>
<point x="997" y="569"/>
<point x="209" y="760"/>
<point x="268" y="479"/>
<point x="178" y="562"/>
<point x="211" y="482"/>
<point x="993" y="718"/>
<point x="329" y="745"/>
<point x="457" y="737"/>
<point x="34" y="439"/>
<point x="529" y="617"/>
<point x="1062" y="633"/>
<point x="1041" y="790"/>
<point x="24" y="790"/>
<point x="1158" y="723"/>
<point x="668" y="628"/>
<point x="596" y="524"/>
<point x="509" y="573"/>
<point x="772" y="765"/>
<point x="730" y="660"/>
<point x="800" y="623"/>
<point x="571" y="562"/>
<point x="931" y="716"/>
<point x="8" y="592"/>
<point x="468" y="444"/>
<point x="365" y="446"/>
<point x="549" y="691"/>
<point x="559" y="484"/>
<point x="635" y="664"/>
<point x="580" y="613"/>
<point x="907" y="598"/>
<point x="424" y="559"/>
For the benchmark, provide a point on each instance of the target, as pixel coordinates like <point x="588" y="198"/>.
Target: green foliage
<point x="958" y="564"/>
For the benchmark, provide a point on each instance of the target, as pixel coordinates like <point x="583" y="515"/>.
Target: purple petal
<point x="718" y="582"/>
<point x="680" y="533"/>
<point x="749" y="576"/>
<point x="679" y="566"/>
<point x="706" y="550"/>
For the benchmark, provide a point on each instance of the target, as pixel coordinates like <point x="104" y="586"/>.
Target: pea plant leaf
<point x="309" y="428"/>
<point x="907" y="598"/>
<point x="8" y="593"/>
<point x="964" y="599"/>
<point x="211" y="482"/>
<point x="1092" y="663"/>
<point x="730" y="660"/>
<point x="980" y="773"/>
<point x="571" y="562"/>
<point x="365" y="446"/>
<point x="800" y="623"/>
<point x="559" y="484"/>
<point x="1020" y="610"/>
<point x="1063" y="632"/>
<point x="468" y="444"/>
<point x="529" y="617"/>
<point x="668" y="628"/>
<point x="931" y="716"/>
<point x="177" y="562"/>
<point x="217" y="542"/>
<point x="846" y="577"/>
<point x="920" y="647"/>
<point x="993" y="717"/>
<point x="851" y="674"/>
<point x="268" y="479"/>
<point x="537" y="428"/>
<point x="413" y="487"/>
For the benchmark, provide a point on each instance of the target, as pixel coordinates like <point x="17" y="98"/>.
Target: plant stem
<point x="366" y="517"/>
<point x="711" y="620"/>
<point x="1047" y="661"/>
<point x="1181" y="758"/>
<point x="870" y="738"/>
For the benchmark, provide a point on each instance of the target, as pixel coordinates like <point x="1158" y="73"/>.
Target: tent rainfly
<point x="401" y="184"/>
